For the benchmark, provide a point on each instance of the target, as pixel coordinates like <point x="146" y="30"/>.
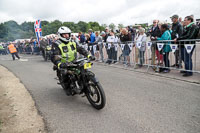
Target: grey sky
<point x="103" y="11"/>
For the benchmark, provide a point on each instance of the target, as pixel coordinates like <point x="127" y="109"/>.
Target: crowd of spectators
<point x="159" y="31"/>
<point x="28" y="46"/>
<point x="128" y="38"/>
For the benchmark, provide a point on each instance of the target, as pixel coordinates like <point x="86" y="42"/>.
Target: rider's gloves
<point x="91" y="57"/>
<point x="62" y="65"/>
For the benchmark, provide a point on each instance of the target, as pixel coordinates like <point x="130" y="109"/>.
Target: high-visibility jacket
<point x="12" y="48"/>
<point x="68" y="51"/>
<point x="1" y="47"/>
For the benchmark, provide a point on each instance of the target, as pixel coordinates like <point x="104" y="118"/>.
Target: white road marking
<point x="23" y="59"/>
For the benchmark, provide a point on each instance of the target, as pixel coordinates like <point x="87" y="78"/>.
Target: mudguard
<point x="92" y="77"/>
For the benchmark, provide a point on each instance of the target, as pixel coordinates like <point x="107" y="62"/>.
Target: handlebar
<point x="79" y="60"/>
<point x="75" y="63"/>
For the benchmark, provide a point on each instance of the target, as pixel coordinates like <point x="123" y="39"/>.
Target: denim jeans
<point x="187" y="59"/>
<point x="112" y="55"/>
<point x="101" y="51"/>
<point x="15" y="54"/>
<point x="141" y="57"/>
<point x="166" y="60"/>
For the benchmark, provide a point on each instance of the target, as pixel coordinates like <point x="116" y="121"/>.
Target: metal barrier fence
<point x="159" y="55"/>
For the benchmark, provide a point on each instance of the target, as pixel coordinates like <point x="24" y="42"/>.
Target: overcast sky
<point x="103" y="11"/>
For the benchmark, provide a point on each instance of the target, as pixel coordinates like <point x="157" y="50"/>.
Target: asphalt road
<point x="136" y="102"/>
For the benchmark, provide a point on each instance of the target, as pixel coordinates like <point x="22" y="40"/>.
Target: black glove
<point x="63" y="65"/>
<point x="92" y="58"/>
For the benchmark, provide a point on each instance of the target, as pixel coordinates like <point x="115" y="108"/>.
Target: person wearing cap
<point x="177" y="31"/>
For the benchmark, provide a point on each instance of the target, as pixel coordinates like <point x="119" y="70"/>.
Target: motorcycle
<point x="77" y="79"/>
<point x="47" y="53"/>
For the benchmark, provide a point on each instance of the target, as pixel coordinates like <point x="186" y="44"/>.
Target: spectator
<point x="107" y="34"/>
<point x="1" y="49"/>
<point x="166" y="48"/>
<point x="112" y="41"/>
<point x="107" y="31"/>
<point x="142" y="38"/>
<point x="92" y="40"/>
<point x="75" y="39"/>
<point x="99" y="42"/>
<point x="180" y="20"/>
<point x="81" y="38"/>
<point x="198" y="25"/>
<point x="154" y="32"/>
<point x="159" y="54"/>
<point x="43" y="45"/>
<point x="190" y="32"/>
<point x="125" y="37"/>
<point x="87" y="36"/>
<point x="177" y="30"/>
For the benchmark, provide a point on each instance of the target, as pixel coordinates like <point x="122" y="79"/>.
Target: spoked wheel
<point x="96" y="95"/>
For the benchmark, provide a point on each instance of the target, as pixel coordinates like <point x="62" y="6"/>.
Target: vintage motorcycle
<point x="47" y="53"/>
<point x="77" y="79"/>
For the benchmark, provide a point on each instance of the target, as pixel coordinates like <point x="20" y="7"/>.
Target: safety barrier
<point x="183" y="54"/>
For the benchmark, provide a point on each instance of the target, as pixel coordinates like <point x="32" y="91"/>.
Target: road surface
<point x="136" y="102"/>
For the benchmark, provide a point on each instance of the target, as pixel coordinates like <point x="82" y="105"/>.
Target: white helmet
<point x="63" y="30"/>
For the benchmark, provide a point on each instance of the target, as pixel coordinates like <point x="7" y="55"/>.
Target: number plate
<point x="87" y="65"/>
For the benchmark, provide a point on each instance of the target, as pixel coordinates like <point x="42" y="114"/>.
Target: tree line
<point x="11" y="30"/>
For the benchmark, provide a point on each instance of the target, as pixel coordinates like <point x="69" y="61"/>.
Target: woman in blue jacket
<point x="166" y="35"/>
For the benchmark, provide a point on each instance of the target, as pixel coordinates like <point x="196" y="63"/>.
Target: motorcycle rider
<point x="64" y="51"/>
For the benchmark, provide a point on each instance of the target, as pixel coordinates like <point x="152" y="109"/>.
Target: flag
<point x="173" y="47"/>
<point x="130" y="46"/>
<point x="116" y="47"/>
<point x="189" y="48"/>
<point x="122" y="46"/>
<point x="160" y="46"/>
<point x="38" y="30"/>
<point x="139" y="44"/>
<point x="149" y="45"/>
<point x="109" y="45"/>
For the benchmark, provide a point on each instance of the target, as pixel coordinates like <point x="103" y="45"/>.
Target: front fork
<point x="89" y="76"/>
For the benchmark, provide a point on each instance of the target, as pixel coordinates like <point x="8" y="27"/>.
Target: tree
<point x="70" y="25"/>
<point x="51" y="28"/>
<point x="3" y="31"/>
<point x="94" y="26"/>
<point x="120" y="26"/>
<point x="82" y="26"/>
<point x="11" y="30"/>
<point x="112" y="26"/>
<point x="104" y="25"/>
<point x="27" y="26"/>
<point x="44" y="22"/>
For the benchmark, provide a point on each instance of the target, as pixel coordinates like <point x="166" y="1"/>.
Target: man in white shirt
<point x="112" y="46"/>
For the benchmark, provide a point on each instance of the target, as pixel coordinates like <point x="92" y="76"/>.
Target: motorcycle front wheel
<point x="95" y="95"/>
